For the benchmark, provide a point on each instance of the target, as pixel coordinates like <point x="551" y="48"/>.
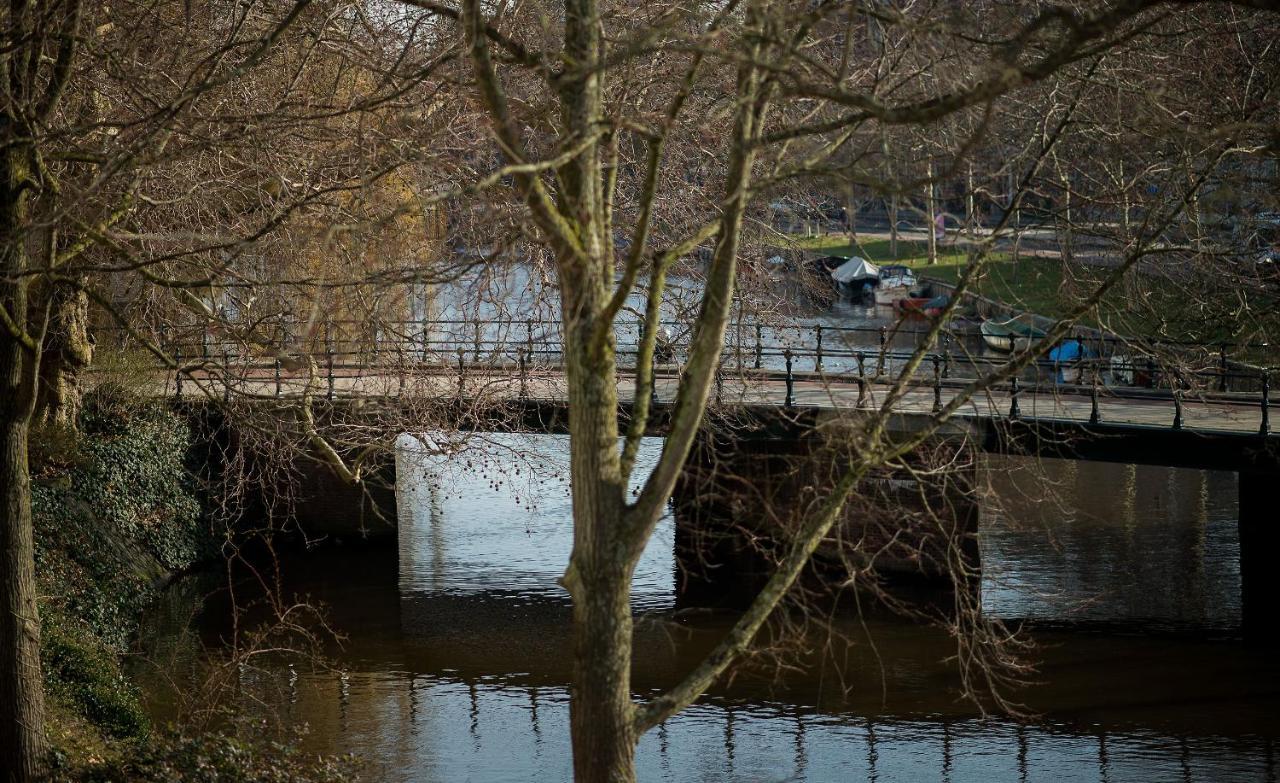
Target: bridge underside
<point x="326" y="506"/>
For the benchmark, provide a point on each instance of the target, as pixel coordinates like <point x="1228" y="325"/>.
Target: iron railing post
<point x="1222" y="368"/>
<point x="790" y="400"/>
<point x="1177" y="403"/>
<point x="476" y="355"/>
<point x="937" y="383"/>
<point x="524" y="374"/>
<point x="1265" y="428"/>
<point x="817" y="364"/>
<point x="946" y="355"/>
<point x="759" y="344"/>
<point x="462" y="370"/>
<point x="1015" y="411"/>
<point x="177" y="372"/>
<point x="277" y="376"/>
<point x="1095" y="415"/>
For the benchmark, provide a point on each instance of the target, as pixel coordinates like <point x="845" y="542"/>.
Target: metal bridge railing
<point x="791" y="353"/>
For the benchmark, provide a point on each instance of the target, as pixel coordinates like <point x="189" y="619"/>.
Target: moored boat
<point x="1014" y="334"/>
<point x="911" y="305"/>
<point x="934" y="307"/>
<point x="856" y="276"/>
<point x="896" y="282"/>
<point x="1070" y="358"/>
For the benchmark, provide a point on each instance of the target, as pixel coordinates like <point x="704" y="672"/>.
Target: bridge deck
<point x="1239" y="416"/>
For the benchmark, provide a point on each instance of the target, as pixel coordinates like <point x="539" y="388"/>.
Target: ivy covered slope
<point x="115" y="511"/>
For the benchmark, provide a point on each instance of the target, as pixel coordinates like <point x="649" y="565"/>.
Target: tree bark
<point x="602" y="715"/>
<point x="599" y="573"/>
<point x="65" y="354"/>
<point x="22" y="739"/>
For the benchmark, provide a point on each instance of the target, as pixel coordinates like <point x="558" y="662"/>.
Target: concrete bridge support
<point x="288" y="490"/>
<point x="1259" y="547"/>
<point x="911" y="530"/>
<point x="324" y="505"/>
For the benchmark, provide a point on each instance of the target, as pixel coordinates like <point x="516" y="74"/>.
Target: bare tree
<point x="185" y="163"/>
<point x="634" y="110"/>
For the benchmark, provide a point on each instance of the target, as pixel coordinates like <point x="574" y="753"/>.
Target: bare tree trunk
<point x="22" y="739"/>
<point x="602" y="716"/>
<point x="893" y="226"/>
<point x="599" y="573"/>
<point x="970" y="219"/>
<point x="66" y="353"/>
<point x="933" y="216"/>
<point x="851" y="218"/>
<point x="1066" y="239"/>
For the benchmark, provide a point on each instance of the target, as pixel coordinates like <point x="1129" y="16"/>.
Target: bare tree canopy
<point x="287" y="175"/>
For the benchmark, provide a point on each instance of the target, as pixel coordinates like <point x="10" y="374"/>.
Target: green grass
<point x="1141" y="305"/>
<point x="1031" y="284"/>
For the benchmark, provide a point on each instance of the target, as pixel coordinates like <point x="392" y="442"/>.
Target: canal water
<point x="455" y="665"/>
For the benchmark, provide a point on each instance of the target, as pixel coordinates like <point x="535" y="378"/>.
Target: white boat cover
<point x="855" y="269"/>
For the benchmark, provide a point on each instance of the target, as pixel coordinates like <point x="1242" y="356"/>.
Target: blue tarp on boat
<point x="1069" y="352"/>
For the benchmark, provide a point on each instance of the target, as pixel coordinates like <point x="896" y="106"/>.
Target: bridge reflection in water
<point x="484" y="633"/>
<point x="456" y="667"/>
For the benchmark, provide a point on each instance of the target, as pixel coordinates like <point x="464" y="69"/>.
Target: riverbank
<point x="1145" y="304"/>
<point x="117" y="514"/>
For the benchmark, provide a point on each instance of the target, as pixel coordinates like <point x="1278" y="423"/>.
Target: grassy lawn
<point x="1032" y="284"/>
<point x="1205" y="307"/>
<point x="1141" y="305"/>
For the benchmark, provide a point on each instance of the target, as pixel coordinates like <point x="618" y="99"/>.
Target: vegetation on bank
<point x="1143" y="305"/>
<point x="1031" y="284"/>
<point x="117" y="511"/>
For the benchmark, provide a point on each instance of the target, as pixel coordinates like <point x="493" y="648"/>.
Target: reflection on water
<point x="1097" y="542"/>
<point x="457" y="667"/>
<point x="438" y="728"/>
<point x="496" y="518"/>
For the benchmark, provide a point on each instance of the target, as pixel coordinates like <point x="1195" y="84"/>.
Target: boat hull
<point x="887" y="296"/>
<point x="912" y="306"/>
<point x="1000" y="337"/>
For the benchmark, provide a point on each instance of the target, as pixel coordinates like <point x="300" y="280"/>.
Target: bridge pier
<point x="912" y="531"/>
<point x="324" y="505"/>
<point x="1259" y="546"/>
<point x="293" y="492"/>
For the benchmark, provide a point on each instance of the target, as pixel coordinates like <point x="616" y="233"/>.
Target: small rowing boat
<point x="1015" y="334"/>
<point x="911" y="305"/>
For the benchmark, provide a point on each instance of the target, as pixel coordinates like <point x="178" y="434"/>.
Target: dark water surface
<point x="456" y="663"/>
